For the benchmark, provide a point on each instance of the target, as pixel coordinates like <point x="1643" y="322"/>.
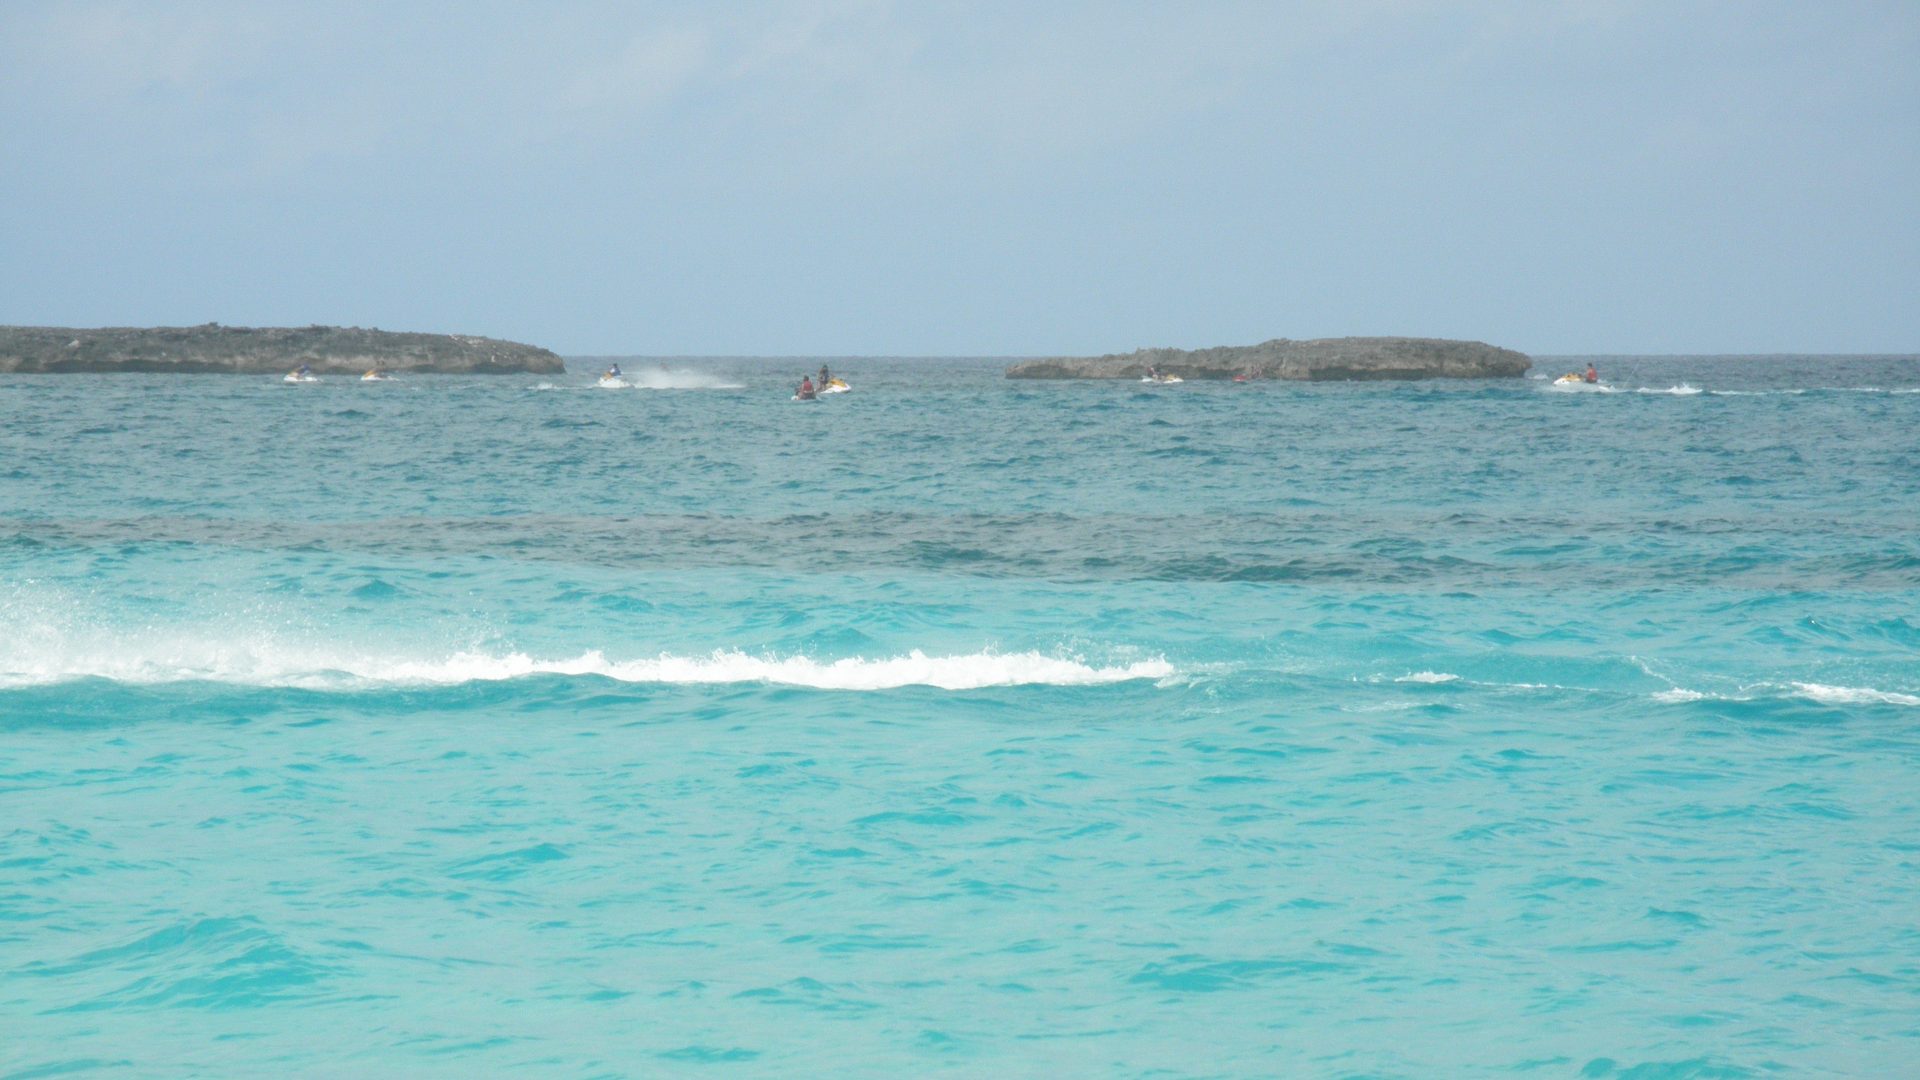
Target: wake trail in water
<point x="655" y="379"/>
<point x="1689" y="390"/>
<point x="663" y="379"/>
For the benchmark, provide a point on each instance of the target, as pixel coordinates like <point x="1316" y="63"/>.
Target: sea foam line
<point x="1428" y="677"/>
<point x="1853" y="695"/>
<point x="1825" y="695"/>
<point x="245" y="667"/>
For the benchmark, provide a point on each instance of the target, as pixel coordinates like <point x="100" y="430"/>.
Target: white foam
<point x="1826" y="695"/>
<point x="1682" y="390"/>
<point x="657" y="379"/>
<point x="277" y="667"/>
<point x="1798" y="390"/>
<point x="51" y="635"/>
<point x="1853" y="695"/>
<point x="1679" y="694"/>
<point x="1428" y="677"/>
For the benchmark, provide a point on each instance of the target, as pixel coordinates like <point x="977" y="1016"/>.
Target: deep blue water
<point x="462" y="726"/>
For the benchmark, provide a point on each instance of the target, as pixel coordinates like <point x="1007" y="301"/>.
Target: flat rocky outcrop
<point x="1322" y="359"/>
<point x="213" y="348"/>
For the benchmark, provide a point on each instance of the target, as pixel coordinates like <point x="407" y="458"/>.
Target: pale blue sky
<point x="994" y="178"/>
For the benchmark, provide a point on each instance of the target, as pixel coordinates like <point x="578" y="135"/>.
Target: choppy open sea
<point x="512" y="726"/>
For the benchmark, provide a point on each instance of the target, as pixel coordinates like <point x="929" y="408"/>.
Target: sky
<point x="862" y="177"/>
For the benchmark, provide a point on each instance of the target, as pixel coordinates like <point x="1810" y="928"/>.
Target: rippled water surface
<point x="463" y="726"/>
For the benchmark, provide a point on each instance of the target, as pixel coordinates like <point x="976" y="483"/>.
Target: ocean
<point x="513" y="726"/>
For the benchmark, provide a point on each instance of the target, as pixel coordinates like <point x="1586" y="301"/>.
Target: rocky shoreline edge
<point x="1323" y="359"/>
<point x="215" y="349"/>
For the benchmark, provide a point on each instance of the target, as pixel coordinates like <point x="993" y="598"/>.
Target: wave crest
<point x="1820" y="692"/>
<point x="245" y="667"/>
<point x="1853" y="695"/>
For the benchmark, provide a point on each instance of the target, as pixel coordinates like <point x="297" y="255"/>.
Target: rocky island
<point x="1322" y="359"/>
<point x="213" y="348"/>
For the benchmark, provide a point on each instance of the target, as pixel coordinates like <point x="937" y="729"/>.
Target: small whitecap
<point x="1854" y="695"/>
<point x="1679" y="694"/>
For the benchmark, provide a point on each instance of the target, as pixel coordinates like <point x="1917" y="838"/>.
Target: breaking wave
<point x="274" y="667"/>
<point x="1819" y="692"/>
<point x="1679" y="695"/>
<point x="1853" y="695"/>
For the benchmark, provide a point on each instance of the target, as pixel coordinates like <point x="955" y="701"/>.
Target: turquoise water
<point x="459" y="726"/>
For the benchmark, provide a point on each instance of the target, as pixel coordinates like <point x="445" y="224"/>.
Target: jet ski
<point x="375" y="376"/>
<point x="300" y="376"/>
<point x="612" y="382"/>
<point x="835" y="385"/>
<point x="1164" y="379"/>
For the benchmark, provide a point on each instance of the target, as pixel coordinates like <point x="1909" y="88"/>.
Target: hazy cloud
<point x="105" y="52"/>
<point x="645" y="71"/>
